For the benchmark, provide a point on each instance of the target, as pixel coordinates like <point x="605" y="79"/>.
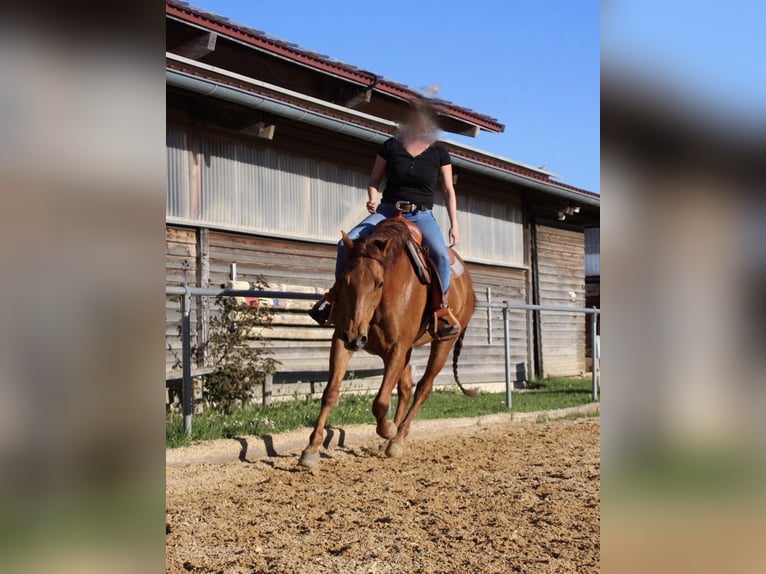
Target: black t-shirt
<point x="412" y="178"/>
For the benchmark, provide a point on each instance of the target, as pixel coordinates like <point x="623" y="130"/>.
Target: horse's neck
<point x="402" y="284"/>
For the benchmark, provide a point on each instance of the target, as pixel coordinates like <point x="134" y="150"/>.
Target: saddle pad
<point x="456" y="266"/>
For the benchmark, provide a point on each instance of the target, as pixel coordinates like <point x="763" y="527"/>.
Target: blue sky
<point x="534" y="66"/>
<point x="710" y="52"/>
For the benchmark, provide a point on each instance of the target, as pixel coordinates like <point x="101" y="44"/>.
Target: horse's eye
<point x="379" y="285"/>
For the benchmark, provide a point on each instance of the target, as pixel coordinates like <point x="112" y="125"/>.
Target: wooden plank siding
<point x="300" y="345"/>
<point x="561" y="271"/>
<point x="480" y="360"/>
<point x="296" y="341"/>
<point x="180" y="264"/>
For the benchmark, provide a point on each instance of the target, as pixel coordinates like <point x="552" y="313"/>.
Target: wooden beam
<point x="359" y="99"/>
<point x="260" y="130"/>
<point x="199" y="47"/>
<point x="456" y="126"/>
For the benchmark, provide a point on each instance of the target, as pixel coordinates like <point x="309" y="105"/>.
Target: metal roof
<point x="320" y="62"/>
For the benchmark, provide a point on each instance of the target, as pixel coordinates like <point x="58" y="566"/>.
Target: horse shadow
<point x="333" y="435"/>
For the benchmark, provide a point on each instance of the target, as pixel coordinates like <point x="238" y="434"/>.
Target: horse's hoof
<point x="309" y="459"/>
<point x="395" y="449"/>
<point x="389" y="432"/>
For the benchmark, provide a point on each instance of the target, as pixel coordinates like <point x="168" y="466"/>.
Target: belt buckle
<point x="404" y="206"/>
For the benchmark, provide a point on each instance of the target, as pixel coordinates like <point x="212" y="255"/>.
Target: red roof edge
<point x="509" y="166"/>
<point x="258" y="39"/>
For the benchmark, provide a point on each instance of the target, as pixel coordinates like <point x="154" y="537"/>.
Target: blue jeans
<point x="432" y="238"/>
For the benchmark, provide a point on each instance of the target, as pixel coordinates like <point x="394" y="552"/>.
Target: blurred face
<point x="419" y="126"/>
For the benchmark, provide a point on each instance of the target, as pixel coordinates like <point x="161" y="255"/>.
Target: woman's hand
<point x="372" y="185"/>
<point x="454" y="236"/>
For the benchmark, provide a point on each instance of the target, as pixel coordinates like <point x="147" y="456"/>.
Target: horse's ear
<point x="388" y="246"/>
<point x="347" y="239"/>
<point x="382" y="245"/>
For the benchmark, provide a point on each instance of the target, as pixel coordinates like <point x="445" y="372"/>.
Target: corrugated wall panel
<point x="490" y="231"/>
<point x="593" y="252"/>
<point x="253" y="187"/>
<point x="561" y="271"/>
<point x="266" y="190"/>
<point x="178" y="173"/>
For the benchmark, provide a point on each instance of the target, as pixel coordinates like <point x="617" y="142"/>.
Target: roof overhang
<point x="210" y="38"/>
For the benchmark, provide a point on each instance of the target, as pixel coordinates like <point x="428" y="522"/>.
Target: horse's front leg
<point x="404" y="390"/>
<point x="391" y="374"/>
<point x="339" y="358"/>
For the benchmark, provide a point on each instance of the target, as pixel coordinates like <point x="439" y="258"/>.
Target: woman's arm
<point x="378" y="169"/>
<point x="450" y="200"/>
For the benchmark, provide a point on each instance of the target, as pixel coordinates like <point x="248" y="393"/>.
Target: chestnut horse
<point x="383" y="308"/>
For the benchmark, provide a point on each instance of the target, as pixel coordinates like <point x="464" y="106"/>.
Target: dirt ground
<point x="489" y="496"/>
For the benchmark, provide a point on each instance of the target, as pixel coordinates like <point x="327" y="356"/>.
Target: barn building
<point x="269" y="147"/>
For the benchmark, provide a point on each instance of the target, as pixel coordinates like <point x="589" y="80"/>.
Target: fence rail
<point x="187" y="293"/>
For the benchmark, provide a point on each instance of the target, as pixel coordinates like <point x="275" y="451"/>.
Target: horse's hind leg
<point x="404" y="391"/>
<point x="339" y="358"/>
<point x="391" y="376"/>
<point x="439" y="353"/>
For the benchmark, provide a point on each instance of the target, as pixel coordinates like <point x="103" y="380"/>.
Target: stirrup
<point x="321" y="311"/>
<point x="445" y="324"/>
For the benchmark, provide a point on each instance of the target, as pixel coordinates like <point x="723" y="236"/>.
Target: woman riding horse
<point x="383" y="308"/>
<point x="412" y="163"/>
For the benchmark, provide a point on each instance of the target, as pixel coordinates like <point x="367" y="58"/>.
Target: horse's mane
<point x="389" y="232"/>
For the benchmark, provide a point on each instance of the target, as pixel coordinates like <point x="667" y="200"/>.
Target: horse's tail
<point x="455" y="355"/>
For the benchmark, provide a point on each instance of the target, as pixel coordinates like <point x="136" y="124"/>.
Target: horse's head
<point x="361" y="287"/>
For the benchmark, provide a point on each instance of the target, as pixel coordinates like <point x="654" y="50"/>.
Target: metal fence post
<point x="507" y="341"/>
<point x="186" y="359"/>
<point x="593" y="323"/>
<point x="489" y="315"/>
<point x="266" y="389"/>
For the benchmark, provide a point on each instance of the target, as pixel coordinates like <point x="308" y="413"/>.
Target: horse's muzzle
<point x="353" y="343"/>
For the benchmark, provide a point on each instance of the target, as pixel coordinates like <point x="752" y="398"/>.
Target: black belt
<point x="408" y="206"/>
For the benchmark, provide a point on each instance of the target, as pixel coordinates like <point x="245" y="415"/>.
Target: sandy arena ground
<point x="493" y="495"/>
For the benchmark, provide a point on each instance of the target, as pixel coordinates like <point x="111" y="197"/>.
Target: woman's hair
<point x="420" y="122"/>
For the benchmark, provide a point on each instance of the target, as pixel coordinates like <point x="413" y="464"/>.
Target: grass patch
<point x="697" y="473"/>
<point x="280" y="417"/>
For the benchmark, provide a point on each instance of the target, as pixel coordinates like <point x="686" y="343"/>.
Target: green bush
<point x="238" y="350"/>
